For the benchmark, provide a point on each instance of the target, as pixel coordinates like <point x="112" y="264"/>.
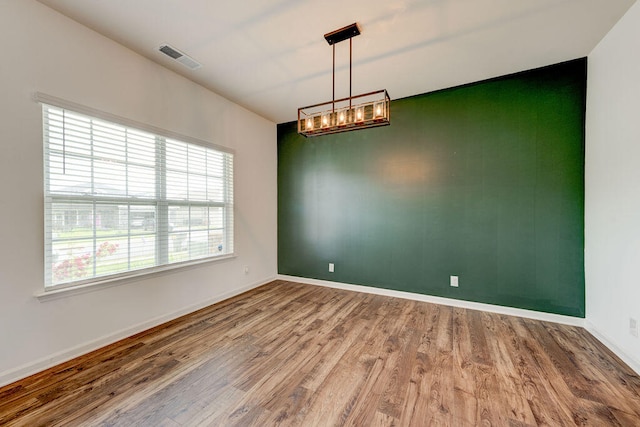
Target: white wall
<point x="612" y="211"/>
<point x="45" y="52"/>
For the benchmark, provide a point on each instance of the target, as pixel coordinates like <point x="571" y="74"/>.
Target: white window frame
<point x="160" y="201"/>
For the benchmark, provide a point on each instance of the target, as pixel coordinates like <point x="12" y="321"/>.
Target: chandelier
<point x="346" y="114"/>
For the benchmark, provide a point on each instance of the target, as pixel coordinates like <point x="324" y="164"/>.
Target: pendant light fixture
<point x="346" y="114"/>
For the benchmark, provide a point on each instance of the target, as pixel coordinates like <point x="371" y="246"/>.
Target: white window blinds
<point x="120" y="200"/>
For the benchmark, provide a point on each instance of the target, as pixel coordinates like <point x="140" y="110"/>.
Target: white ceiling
<point x="270" y="55"/>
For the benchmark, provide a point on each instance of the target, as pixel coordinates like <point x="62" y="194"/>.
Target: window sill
<point x="104" y="283"/>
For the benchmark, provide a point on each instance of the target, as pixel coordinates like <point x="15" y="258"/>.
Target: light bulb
<point x="325" y="120"/>
<point x="341" y="117"/>
<point x="359" y="114"/>
<point x="309" y="124"/>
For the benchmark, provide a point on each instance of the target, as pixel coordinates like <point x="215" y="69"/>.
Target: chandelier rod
<point x="333" y="96"/>
<point x="350" y="56"/>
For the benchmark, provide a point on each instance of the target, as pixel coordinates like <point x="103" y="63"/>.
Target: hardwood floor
<point x="301" y="355"/>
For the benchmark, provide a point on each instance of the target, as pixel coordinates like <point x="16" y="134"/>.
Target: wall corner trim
<point x="627" y="358"/>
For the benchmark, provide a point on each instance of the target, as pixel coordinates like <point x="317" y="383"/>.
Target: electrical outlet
<point x="453" y="281"/>
<point x="331" y="267"/>
<point x="246" y="269"/>
<point x="633" y="327"/>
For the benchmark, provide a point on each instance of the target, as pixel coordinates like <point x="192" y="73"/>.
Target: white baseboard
<point x="529" y="314"/>
<point x="34" y="367"/>
<point x="604" y="339"/>
<point x="31" y="368"/>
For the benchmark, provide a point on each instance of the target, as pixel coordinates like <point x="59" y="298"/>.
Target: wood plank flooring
<point x="300" y="355"/>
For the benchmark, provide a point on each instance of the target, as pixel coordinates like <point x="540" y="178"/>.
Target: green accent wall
<point x="483" y="181"/>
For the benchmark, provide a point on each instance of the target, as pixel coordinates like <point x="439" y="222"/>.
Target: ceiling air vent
<point x="182" y="58"/>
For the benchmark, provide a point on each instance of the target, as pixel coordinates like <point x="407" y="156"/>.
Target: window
<point x="122" y="201"/>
